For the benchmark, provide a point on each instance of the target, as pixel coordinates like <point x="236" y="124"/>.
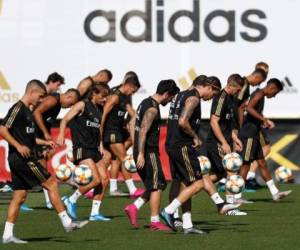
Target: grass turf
<point x="268" y="225"/>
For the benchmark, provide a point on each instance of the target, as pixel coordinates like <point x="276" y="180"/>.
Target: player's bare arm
<point x="214" y="123"/>
<point x="84" y="85"/>
<point x="241" y="111"/>
<point x="131" y="123"/>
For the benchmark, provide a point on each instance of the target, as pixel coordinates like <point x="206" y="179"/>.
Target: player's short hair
<point x="72" y="90"/>
<point x="133" y="81"/>
<point x="199" y="80"/>
<point x="35" y="84"/>
<point x="260" y="72"/>
<point x="235" y="80"/>
<point x="168" y="85"/>
<point x="262" y="65"/>
<point x="107" y="72"/>
<point x="129" y="74"/>
<point x="55" y="77"/>
<point x="214" y="82"/>
<point x="97" y="88"/>
<point x="276" y="82"/>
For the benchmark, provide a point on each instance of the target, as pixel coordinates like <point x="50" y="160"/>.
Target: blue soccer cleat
<point x="99" y="217"/>
<point x="71" y="207"/>
<point x="25" y="208"/>
<point x="168" y="219"/>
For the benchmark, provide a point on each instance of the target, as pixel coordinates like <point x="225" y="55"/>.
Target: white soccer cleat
<point x="227" y="207"/>
<point x="280" y="195"/>
<point x="235" y="212"/>
<point x="75" y="225"/>
<point x="13" y="239"/>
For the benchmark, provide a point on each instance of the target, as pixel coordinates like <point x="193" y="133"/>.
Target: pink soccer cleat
<point x="89" y="194"/>
<point x="158" y="226"/>
<point x="138" y="192"/>
<point x="132" y="213"/>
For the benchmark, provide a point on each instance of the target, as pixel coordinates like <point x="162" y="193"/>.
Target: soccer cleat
<point x="235" y="212"/>
<point x="71" y="207"/>
<point x="178" y="223"/>
<point x="242" y="201"/>
<point x="132" y="213"/>
<point x="89" y="194"/>
<point x="13" y="239"/>
<point x="138" y="192"/>
<point x="168" y="219"/>
<point x="118" y="193"/>
<point x="75" y="225"/>
<point x="6" y="188"/>
<point x="158" y="226"/>
<point x="193" y="230"/>
<point x="252" y="184"/>
<point x="227" y="207"/>
<point x="49" y="205"/>
<point x="280" y="195"/>
<point x="25" y="208"/>
<point x="99" y="217"/>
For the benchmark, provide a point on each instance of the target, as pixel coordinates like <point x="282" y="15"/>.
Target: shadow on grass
<point x="53" y="239"/>
<point x="271" y="201"/>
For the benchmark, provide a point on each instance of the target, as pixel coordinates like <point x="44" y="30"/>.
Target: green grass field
<point x="268" y="225"/>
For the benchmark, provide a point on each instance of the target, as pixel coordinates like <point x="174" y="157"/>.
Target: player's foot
<point x="228" y="206"/>
<point x="89" y="194"/>
<point x="242" y="201"/>
<point x="118" y="193"/>
<point x="75" y="225"/>
<point x="280" y="195"/>
<point x="6" y="188"/>
<point x="252" y="184"/>
<point x="138" y="192"/>
<point x="158" y="226"/>
<point x="132" y="213"/>
<point x="99" y="217"/>
<point x="25" y="208"/>
<point x="13" y="239"/>
<point x="221" y="187"/>
<point x="71" y="207"/>
<point x="193" y="230"/>
<point x="49" y="205"/>
<point x="178" y="223"/>
<point x="235" y="212"/>
<point x="168" y="219"/>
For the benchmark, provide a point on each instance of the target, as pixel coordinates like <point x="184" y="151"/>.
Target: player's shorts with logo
<point x="81" y="154"/>
<point x="252" y="149"/>
<point x="264" y="137"/>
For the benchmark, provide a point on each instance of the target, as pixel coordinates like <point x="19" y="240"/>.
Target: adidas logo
<point x="288" y="87"/>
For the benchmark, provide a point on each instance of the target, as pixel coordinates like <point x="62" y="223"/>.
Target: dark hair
<point x="235" y="79"/>
<point x="96" y="88"/>
<point x="167" y="86"/>
<point x="214" y="82"/>
<point x="108" y="73"/>
<point x="199" y="80"/>
<point x="55" y="77"/>
<point x="75" y="91"/>
<point x="276" y="82"/>
<point x="260" y="72"/>
<point x="261" y="65"/>
<point x="35" y="84"/>
<point x="134" y="81"/>
<point x="129" y="74"/>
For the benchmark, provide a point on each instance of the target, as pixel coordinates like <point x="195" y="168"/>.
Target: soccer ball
<point x="63" y="172"/>
<point x="70" y="156"/>
<point x="232" y="162"/>
<point x="235" y="184"/>
<point x="129" y="164"/>
<point x="82" y="174"/>
<point x="283" y="174"/>
<point x="204" y="164"/>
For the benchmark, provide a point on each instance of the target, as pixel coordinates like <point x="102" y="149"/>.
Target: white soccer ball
<point x="232" y="162"/>
<point x="82" y="174"/>
<point x="235" y="184"/>
<point x="129" y="164"/>
<point x="70" y="156"/>
<point x="283" y="174"/>
<point x="63" y="172"/>
<point x="204" y="164"/>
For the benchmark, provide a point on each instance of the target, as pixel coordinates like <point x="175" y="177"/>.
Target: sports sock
<point x="130" y="185"/>
<point x="230" y="198"/>
<point x="113" y="185"/>
<point x="272" y="187"/>
<point x="74" y="197"/>
<point x="216" y="198"/>
<point x="250" y="175"/>
<point x="47" y="199"/>
<point x="8" y="230"/>
<point x="237" y="196"/>
<point x="154" y="218"/>
<point x="222" y="181"/>
<point x="176" y="214"/>
<point x="171" y="208"/>
<point x="95" y="207"/>
<point x="187" y="220"/>
<point x="139" y="202"/>
<point x="64" y="218"/>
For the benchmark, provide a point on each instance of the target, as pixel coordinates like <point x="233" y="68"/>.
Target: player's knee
<point x="104" y="181"/>
<point x="96" y="180"/>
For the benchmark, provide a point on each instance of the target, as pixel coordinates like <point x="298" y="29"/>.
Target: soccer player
<point x="146" y="154"/>
<point x="18" y="129"/>
<point x="184" y="149"/>
<point x="53" y="83"/>
<point x="112" y="126"/>
<point x="84" y="119"/>
<point x="250" y="135"/>
<point x="45" y="115"/>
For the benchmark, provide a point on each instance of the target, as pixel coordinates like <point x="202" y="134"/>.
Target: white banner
<point x="158" y="39"/>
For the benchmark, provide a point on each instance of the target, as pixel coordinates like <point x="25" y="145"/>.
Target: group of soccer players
<point x="104" y="125"/>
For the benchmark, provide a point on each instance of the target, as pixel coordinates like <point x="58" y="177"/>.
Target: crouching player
<point x="84" y="119"/>
<point x="146" y="154"/>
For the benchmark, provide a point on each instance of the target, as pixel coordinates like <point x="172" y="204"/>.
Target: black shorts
<point x="215" y="154"/>
<point x="186" y="164"/>
<point x="26" y="173"/>
<point x="152" y="174"/>
<point x="173" y="171"/>
<point x="41" y="151"/>
<point x="115" y="136"/>
<point x="263" y="137"/>
<point x="81" y="154"/>
<point x="252" y="150"/>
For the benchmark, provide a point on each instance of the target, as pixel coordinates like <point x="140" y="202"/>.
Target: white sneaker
<point x="242" y="201"/>
<point x="235" y="212"/>
<point x="227" y="207"/>
<point x="13" y="239"/>
<point x="280" y="195"/>
<point x="75" y="225"/>
<point x="6" y="189"/>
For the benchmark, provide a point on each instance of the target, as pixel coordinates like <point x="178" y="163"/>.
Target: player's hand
<point x="238" y="145"/>
<point x="47" y="137"/>
<point x="101" y="148"/>
<point x="60" y="139"/>
<point x="24" y="151"/>
<point x="51" y="143"/>
<point x="226" y="148"/>
<point x="140" y="161"/>
<point x="196" y="142"/>
<point x="270" y="124"/>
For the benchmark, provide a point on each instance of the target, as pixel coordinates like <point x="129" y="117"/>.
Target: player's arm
<point x="241" y="110"/>
<point x="190" y="104"/>
<point x="40" y="141"/>
<point x="238" y="146"/>
<point x="147" y="121"/>
<point x="131" y="123"/>
<point x="48" y="103"/>
<point x="84" y="85"/>
<point x="75" y="110"/>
